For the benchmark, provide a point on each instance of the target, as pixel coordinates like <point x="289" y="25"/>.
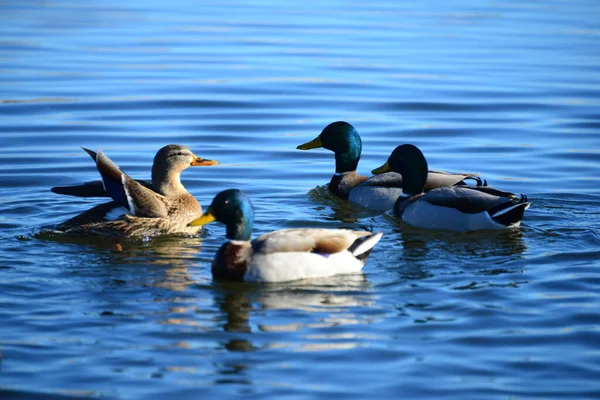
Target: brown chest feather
<point x="231" y="262"/>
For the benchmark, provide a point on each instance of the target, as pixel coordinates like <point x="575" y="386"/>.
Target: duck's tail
<point x="361" y="248"/>
<point x="477" y="180"/>
<point x="513" y="211"/>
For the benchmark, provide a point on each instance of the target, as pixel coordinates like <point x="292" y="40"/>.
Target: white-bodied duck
<point x="284" y="255"/>
<point x="377" y="193"/>
<point x="455" y="208"/>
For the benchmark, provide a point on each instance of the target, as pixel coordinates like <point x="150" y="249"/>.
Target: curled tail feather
<point x="513" y="212"/>
<point x="361" y="248"/>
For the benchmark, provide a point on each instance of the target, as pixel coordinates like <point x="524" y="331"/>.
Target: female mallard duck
<point x="165" y="208"/>
<point x="456" y="208"/>
<point x="378" y="193"/>
<point x="280" y="256"/>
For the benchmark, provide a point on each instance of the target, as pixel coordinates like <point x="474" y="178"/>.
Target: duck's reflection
<point x="490" y="252"/>
<point x="163" y="262"/>
<point x="329" y="300"/>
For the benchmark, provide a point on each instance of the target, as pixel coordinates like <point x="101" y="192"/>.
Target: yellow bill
<point x="313" y="144"/>
<point x="206" y="218"/>
<point x="384" y="168"/>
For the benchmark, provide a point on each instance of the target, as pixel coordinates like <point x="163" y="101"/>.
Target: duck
<point x="282" y="255"/>
<point x="164" y="207"/>
<point x="377" y="193"/>
<point x="454" y="208"/>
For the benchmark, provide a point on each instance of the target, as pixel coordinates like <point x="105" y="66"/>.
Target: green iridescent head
<point x="232" y="208"/>
<point x="408" y="161"/>
<point x="341" y="138"/>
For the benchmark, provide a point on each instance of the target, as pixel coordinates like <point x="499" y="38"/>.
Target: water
<point x="508" y="89"/>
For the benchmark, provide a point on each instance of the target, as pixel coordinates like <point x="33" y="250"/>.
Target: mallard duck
<point x="378" y="193"/>
<point x="138" y="210"/>
<point x="456" y="208"/>
<point x="284" y="255"/>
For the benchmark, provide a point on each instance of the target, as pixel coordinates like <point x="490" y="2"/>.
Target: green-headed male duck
<point x="377" y="193"/>
<point x="284" y="255"/>
<point x="455" y="208"/>
<point x="138" y="210"/>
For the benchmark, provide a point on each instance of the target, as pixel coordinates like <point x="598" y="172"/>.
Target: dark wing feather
<point x="112" y="177"/>
<point x="90" y="189"/>
<point x="92" y="153"/>
<point x="468" y="199"/>
<point x="139" y="200"/>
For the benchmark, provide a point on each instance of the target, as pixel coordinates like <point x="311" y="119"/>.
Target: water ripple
<point x="508" y="90"/>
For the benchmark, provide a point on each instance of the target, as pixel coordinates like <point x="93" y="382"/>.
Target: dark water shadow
<point x="333" y="208"/>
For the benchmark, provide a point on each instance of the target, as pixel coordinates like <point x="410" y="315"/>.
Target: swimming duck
<point x="456" y="208"/>
<point x="378" y="193"/>
<point x="165" y="208"/>
<point x="284" y="255"/>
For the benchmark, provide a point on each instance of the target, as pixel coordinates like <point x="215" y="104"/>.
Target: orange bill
<point x="202" y="162"/>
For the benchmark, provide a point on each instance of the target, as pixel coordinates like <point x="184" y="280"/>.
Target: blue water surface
<point x="508" y="89"/>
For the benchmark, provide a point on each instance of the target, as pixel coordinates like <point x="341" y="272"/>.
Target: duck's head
<point x="168" y="164"/>
<point x="341" y="138"/>
<point x="232" y="208"/>
<point x="410" y="162"/>
<point x="175" y="157"/>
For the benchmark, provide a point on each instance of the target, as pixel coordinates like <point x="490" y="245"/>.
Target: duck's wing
<point x="463" y="208"/>
<point x="439" y="179"/>
<point x="322" y="241"/>
<point x="138" y="199"/>
<point x="474" y="199"/>
<point x="435" y="179"/>
<point x="99" y="213"/>
<point x="90" y="189"/>
<point x="386" y="180"/>
<point x="378" y="193"/>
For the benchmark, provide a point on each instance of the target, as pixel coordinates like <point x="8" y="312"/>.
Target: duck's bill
<point x="203" y="220"/>
<point x="203" y="162"/>
<point x="313" y="144"/>
<point x="383" y="169"/>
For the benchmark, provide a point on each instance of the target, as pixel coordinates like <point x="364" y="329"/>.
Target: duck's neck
<point x="343" y="182"/>
<point x="414" y="183"/>
<point x="167" y="183"/>
<point x="347" y="161"/>
<point x="240" y="228"/>
<point x="239" y="232"/>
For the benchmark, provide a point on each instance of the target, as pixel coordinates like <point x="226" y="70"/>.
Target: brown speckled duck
<point x="138" y="209"/>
